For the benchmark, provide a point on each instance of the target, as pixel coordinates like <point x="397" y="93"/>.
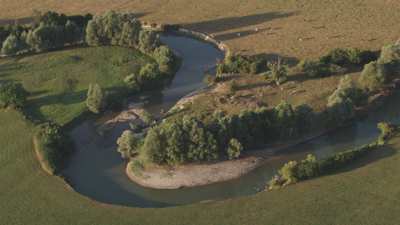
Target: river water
<point x="97" y="171"/>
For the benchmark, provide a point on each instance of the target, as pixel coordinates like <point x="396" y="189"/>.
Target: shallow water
<point x="96" y="169"/>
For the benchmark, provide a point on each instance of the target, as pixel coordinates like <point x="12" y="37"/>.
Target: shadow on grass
<point x="374" y="156"/>
<point x="228" y="23"/>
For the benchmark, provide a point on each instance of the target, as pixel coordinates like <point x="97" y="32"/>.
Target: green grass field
<point x="364" y="194"/>
<point x="58" y="81"/>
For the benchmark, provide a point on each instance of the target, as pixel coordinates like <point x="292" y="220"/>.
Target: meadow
<point x="58" y="81"/>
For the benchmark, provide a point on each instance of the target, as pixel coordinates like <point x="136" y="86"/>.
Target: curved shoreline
<point x="193" y="175"/>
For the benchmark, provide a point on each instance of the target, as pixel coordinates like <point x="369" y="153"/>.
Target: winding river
<point x="96" y="170"/>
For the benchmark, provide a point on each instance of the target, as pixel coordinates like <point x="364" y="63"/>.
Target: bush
<point x="390" y="59"/>
<point x="95" y="100"/>
<point x="373" y="76"/>
<point x="234" y="150"/>
<point x="12" y="94"/>
<point x="52" y="145"/>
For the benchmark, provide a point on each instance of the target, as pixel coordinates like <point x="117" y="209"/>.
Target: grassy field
<point x="366" y="194"/>
<point x="293" y="28"/>
<point x="58" y="81"/>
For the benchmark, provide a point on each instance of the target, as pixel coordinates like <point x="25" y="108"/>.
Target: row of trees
<point x="295" y="171"/>
<point x="51" y="30"/>
<point x="188" y="139"/>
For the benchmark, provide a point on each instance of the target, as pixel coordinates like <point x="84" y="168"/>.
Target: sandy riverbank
<point x="192" y="175"/>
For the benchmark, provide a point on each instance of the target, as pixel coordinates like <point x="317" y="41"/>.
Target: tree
<point x="113" y="28"/>
<point x="130" y="33"/>
<point x="12" y="94"/>
<point x="132" y="82"/>
<point x="46" y="37"/>
<point x="72" y="32"/>
<point x="127" y="144"/>
<point x="12" y="45"/>
<point x="95" y="100"/>
<point x="165" y="58"/>
<point x="373" y="76"/>
<point x="148" y="41"/>
<point x="234" y="149"/>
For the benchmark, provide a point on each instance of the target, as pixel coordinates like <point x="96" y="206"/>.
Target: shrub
<point x="390" y="59"/>
<point x="278" y="72"/>
<point x="95" y="100"/>
<point x="12" y="94"/>
<point x="127" y="144"/>
<point x="234" y="150"/>
<point x="373" y="76"/>
<point x="52" y="145"/>
<point x="150" y="76"/>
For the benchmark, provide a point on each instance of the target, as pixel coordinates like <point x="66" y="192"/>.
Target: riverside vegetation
<point x="189" y="135"/>
<point x="25" y="189"/>
<point x="139" y="62"/>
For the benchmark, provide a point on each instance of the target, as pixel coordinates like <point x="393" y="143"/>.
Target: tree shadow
<point x="35" y="104"/>
<point x="228" y="23"/>
<point x="274" y="57"/>
<point x="240" y="34"/>
<point x="7" y="68"/>
<point x="22" y="20"/>
<point x="372" y="157"/>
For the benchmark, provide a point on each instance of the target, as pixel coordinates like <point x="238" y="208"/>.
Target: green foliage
<point x="13" y="44"/>
<point x="343" y="100"/>
<point x="12" y="94"/>
<point x="278" y="72"/>
<point x="165" y="59"/>
<point x="113" y="28"/>
<point x="148" y="41"/>
<point x="348" y="56"/>
<point x="46" y="37"/>
<point x="314" y="68"/>
<point x="387" y="131"/>
<point x="95" y="100"/>
<point x="181" y="141"/>
<point x="128" y="144"/>
<point x="53" y="145"/>
<point x="242" y="64"/>
<point x="373" y="76"/>
<point x="310" y="167"/>
<point x="132" y="82"/>
<point x="150" y="76"/>
<point x="235" y="148"/>
<point x="147" y="117"/>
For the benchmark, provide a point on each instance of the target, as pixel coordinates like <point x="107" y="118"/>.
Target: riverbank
<point x="192" y="175"/>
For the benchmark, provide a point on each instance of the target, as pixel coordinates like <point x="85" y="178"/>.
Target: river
<point x="97" y="171"/>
